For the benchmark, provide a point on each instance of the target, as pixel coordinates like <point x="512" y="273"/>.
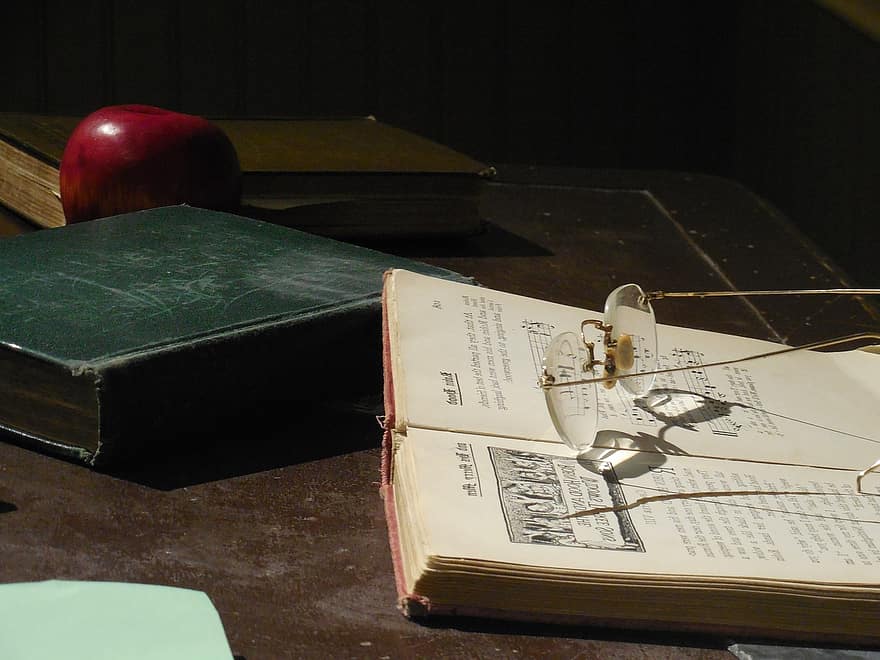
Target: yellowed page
<point x="512" y="501"/>
<point x="468" y="359"/>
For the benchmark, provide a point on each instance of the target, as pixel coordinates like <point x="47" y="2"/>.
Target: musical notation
<point x="704" y="404"/>
<point x="539" y="334"/>
<point x="713" y="409"/>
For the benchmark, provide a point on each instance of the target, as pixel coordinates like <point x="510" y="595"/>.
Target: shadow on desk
<point x="673" y="641"/>
<point x="493" y="241"/>
<point x="534" y="629"/>
<point x="267" y="438"/>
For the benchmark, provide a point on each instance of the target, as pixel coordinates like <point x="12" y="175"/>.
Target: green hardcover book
<point x="116" y="330"/>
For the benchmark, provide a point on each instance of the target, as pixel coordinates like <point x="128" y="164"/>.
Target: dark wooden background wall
<point x="782" y="95"/>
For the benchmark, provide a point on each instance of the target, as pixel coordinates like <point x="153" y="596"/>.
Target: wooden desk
<point x="279" y="520"/>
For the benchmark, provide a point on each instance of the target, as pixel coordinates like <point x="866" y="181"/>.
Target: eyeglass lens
<point x="632" y="345"/>
<point x="572" y="407"/>
<point x="633" y="332"/>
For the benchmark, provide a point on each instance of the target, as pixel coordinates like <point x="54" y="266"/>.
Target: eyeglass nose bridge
<point x="608" y="363"/>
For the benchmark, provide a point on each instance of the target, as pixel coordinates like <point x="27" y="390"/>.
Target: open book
<point x="725" y="502"/>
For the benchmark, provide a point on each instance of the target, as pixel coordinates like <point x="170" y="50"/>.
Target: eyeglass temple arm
<point x="826" y="343"/>
<point x="864" y="473"/>
<point x="657" y="295"/>
<point x="819" y="344"/>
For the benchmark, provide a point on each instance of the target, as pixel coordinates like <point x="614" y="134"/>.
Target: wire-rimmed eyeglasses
<point x="628" y="333"/>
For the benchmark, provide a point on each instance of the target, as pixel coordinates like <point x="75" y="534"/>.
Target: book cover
<point x="118" y="329"/>
<point x="725" y="505"/>
<point x="354" y="177"/>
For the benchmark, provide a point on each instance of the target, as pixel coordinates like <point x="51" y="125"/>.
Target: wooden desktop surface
<point x="278" y="518"/>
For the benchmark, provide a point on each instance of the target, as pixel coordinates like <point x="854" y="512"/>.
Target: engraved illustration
<point x="538" y="491"/>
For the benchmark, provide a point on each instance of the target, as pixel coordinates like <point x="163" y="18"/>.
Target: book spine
<point x="239" y="381"/>
<point x="410" y="604"/>
<point x="387" y="390"/>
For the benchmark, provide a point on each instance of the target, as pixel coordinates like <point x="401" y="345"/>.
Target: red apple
<point x="130" y="157"/>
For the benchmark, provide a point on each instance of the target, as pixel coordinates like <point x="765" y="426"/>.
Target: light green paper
<point x="108" y="621"/>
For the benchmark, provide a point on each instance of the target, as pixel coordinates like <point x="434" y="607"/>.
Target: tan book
<point x="727" y="505"/>
<point x="352" y="177"/>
